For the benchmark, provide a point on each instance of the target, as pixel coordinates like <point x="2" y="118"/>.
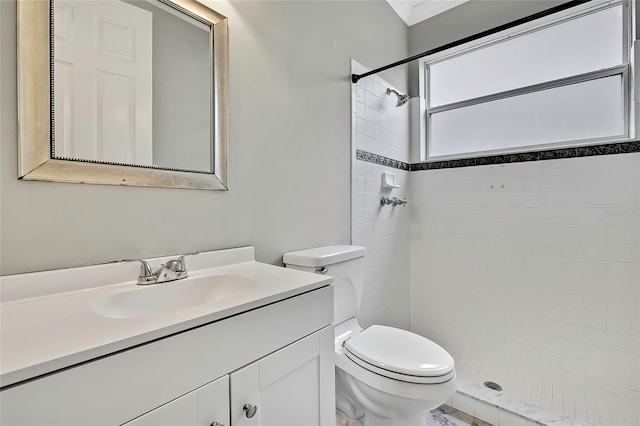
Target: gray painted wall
<point x="463" y="21"/>
<point x="289" y="160"/>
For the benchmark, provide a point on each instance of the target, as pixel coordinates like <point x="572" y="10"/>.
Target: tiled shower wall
<point x="529" y="274"/>
<point x="379" y="127"/>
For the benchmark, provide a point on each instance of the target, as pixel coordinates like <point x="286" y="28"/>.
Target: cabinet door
<point x="213" y="403"/>
<point x="203" y="407"/>
<point x="291" y="387"/>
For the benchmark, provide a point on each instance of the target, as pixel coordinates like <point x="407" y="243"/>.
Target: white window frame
<point x="627" y="70"/>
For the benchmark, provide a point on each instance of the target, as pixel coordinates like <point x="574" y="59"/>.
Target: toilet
<point x="384" y="375"/>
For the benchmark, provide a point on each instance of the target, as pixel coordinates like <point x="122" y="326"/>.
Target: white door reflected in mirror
<point x="103" y="75"/>
<point x="132" y="84"/>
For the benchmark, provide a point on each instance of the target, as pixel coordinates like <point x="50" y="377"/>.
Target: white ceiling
<point x="414" y="11"/>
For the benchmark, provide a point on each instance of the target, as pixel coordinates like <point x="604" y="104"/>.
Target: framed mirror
<point x="123" y="92"/>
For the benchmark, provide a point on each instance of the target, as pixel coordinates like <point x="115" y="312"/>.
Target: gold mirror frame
<point x="35" y="118"/>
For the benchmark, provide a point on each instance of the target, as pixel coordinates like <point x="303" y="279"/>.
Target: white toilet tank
<point x="345" y="264"/>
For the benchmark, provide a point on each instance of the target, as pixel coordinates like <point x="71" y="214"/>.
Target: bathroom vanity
<point x="245" y="343"/>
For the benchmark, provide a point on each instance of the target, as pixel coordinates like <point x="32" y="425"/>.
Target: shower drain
<point x="493" y="385"/>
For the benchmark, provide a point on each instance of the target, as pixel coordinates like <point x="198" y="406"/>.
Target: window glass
<point x="588" y="43"/>
<point x="587" y="110"/>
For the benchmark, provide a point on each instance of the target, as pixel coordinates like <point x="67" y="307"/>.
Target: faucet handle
<point x="145" y="268"/>
<point x="146" y="273"/>
<point x="178" y="264"/>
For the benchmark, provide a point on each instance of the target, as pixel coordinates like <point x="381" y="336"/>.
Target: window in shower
<point x="562" y="82"/>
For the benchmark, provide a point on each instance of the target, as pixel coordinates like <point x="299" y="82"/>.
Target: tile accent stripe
<point x="581" y="151"/>
<point x="553" y="154"/>
<point x="379" y="159"/>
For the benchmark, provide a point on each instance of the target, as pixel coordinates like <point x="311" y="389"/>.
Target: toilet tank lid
<point x="323" y="256"/>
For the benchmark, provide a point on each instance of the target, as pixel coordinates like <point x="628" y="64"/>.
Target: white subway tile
<point x="620" y="275"/>
<point x="369" y="85"/>
<point x="622" y="323"/>
<point x="360" y="94"/>
<point x="618" y="252"/>
<point x="375" y="258"/>
<point x="361" y="141"/>
<point x="368" y="113"/>
<point x="593" y="336"/>
<point x="377" y="132"/>
<point x="378" y="90"/>
<point x="375" y="273"/>
<point x="359" y="200"/>
<point x="377" y="117"/>
<point x="619" y="341"/>
<point x="373" y="184"/>
<point x="362" y="231"/>
<point x="368" y="128"/>
<point x="371" y="289"/>
<point x="360" y="125"/>
<point x="594" y="319"/>
<point x="624" y="302"/>
<point x="367" y="306"/>
<point x="372" y="200"/>
<point x="594" y="302"/>
<point x="370" y="144"/>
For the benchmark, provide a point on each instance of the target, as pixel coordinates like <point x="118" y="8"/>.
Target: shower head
<point x="402" y="99"/>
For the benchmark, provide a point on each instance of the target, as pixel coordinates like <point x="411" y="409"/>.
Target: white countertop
<point x="45" y="333"/>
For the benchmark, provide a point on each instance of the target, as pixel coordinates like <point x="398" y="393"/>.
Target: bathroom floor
<point x="442" y="416"/>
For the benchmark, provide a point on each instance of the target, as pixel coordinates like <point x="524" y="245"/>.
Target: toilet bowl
<point x="384" y="375"/>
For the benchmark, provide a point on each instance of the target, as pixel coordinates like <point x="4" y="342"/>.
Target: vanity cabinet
<point x="288" y="387"/>
<point x="278" y="357"/>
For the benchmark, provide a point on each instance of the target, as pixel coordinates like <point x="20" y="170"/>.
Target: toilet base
<point x="343" y="420"/>
<point x="373" y="407"/>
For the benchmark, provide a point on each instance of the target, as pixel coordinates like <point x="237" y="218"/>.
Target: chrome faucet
<point x="385" y="201"/>
<point x="398" y="202"/>
<point x="174" y="269"/>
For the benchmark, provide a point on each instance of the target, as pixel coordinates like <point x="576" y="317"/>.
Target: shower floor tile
<point x="569" y="396"/>
<point x="442" y="416"/>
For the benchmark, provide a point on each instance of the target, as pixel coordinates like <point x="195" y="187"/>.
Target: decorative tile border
<point x="581" y="151"/>
<point x="379" y="159"/>
<point x="553" y="154"/>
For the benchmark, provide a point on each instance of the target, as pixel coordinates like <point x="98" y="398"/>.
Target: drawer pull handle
<point x="250" y="410"/>
<point x="322" y="270"/>
<point x="216" y="424"/>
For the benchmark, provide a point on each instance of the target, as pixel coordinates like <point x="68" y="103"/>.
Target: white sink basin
<point x="172" y="297"/>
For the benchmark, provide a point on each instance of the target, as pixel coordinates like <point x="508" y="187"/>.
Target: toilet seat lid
<point x="400" y="351"/>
